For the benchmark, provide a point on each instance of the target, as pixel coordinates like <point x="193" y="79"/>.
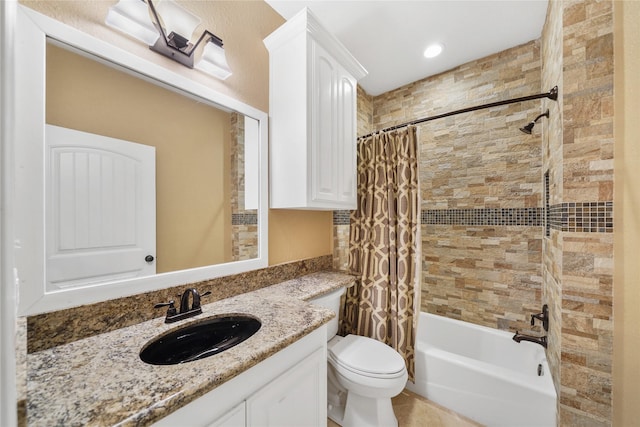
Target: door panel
<point x="100" y="202"/>
<point x="346" y="143"/>
<point x="323" y="126"/>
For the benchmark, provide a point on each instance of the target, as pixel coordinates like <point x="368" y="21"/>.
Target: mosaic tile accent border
<point x="554" y="217"/>
<point x="547" y="196"/>
<point x="341" y="217"/>
<point x="590" y="217"/>
<point x="512" y="216"/>
<point x="490" y="216"/>
<point x="244" y="219"/>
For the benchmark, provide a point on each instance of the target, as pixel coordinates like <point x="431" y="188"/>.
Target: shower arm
<point x="545" y="114"/>
<point x="552" y="94"/>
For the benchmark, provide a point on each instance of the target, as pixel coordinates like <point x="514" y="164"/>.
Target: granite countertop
<point x="100" y="380"/>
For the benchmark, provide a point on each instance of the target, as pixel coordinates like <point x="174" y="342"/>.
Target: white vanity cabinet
<point x="312" y="105"/>
<point x="287" y="389"/>
<point x="235" y="417"/>
<point x="292" y="398"/>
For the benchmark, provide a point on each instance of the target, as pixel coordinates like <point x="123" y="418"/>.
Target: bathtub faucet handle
<point x="543" y="317"/>
<point x="533" y="319"/>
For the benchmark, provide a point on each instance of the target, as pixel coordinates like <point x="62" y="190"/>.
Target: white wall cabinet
<point x="312" y="104"/>
<point x="287" y="389"/>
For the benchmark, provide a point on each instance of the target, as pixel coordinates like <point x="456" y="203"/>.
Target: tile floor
<point x="413" y="410"/>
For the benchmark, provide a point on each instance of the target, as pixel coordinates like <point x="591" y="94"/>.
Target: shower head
<point x="528" y="128"/>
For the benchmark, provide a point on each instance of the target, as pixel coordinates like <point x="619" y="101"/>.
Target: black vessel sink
<point x="199" y="340"/>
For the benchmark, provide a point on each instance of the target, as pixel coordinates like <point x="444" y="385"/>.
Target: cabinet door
<point x="346" y="138"/>
<point x="323" y="109"/>
<point x="236" y="417"/>
<point x="296" y="398"/>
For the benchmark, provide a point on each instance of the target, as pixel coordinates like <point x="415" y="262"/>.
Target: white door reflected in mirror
<point x="101" y="208"/>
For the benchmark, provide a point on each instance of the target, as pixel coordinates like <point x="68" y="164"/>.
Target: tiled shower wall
<point x="481" y="186"/>
<point x="578" y="255"/>
<point x="552" y="165"/>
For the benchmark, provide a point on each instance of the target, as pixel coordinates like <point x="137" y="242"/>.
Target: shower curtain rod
<point x="552" y="94"/>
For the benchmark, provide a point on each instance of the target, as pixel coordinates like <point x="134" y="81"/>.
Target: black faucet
<point x="538" y="340"/>
<point x="544" y="318"/>
<point x="185" y="311"/>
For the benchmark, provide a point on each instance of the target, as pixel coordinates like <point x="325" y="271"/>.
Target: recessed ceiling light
<point x="433" y="50"/>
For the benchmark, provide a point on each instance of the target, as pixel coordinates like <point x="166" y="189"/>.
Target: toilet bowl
<point x="363" y="375"/>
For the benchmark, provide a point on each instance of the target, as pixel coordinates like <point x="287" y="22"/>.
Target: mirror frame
<point x="32" y="31"/>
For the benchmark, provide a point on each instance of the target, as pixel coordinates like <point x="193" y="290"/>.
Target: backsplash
<point x="61" y="327"/>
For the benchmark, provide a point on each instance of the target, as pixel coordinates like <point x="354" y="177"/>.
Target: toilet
<point x="363" y="375"/>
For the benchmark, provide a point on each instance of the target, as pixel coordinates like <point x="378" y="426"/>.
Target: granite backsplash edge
<point x="48" y="330"/>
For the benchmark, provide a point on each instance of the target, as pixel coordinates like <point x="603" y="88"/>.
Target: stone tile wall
<point x="551" y="42"/>
<point x="578" y="256"/>
<point x="482" y="274"/>
<point x="365" y="112"/>
<point x="481" y="187"/>
<point x="587" y="258"/>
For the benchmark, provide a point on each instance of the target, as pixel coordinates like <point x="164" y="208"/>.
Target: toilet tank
<point x="330" y="301"/>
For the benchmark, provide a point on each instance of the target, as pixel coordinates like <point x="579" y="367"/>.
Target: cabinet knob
<point x="149" y="258"/>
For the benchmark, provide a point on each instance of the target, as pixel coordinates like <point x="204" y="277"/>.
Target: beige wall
<point x="193" y="211"/>
<point x="296" y="235"/>
<point x="626" y="361"/>
<point x="293" y="235"/>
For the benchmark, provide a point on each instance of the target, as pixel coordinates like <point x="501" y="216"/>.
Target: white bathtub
<point x="483" y="374"/>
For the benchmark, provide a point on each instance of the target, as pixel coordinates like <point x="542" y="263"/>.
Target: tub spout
<point x="538" y="340"/>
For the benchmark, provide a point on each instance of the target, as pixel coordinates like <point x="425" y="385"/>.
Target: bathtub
<point x="483" y="374"/>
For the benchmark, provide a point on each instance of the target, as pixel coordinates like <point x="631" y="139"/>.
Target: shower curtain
<point x="384" y="244"/>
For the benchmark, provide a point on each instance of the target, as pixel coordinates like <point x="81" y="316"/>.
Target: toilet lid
<point x="366" y="356"/>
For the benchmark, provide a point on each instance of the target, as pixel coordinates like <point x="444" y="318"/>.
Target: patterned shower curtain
<point x="384" y="244"/>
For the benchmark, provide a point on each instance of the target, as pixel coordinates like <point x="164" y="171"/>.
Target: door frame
<point x="8" y="286"/>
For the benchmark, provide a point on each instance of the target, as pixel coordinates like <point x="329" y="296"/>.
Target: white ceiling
<point x="388" y="37"/>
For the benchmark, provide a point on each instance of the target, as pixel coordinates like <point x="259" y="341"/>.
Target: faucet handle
<point x="172" y="308"/>
<point x="543" y="317"/>
<point x="196" y="300"/>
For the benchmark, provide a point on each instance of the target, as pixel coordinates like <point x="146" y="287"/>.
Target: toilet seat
<point x="366" y="357"/>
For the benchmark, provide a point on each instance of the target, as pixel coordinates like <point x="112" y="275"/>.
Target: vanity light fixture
<point x="168" y="28"/>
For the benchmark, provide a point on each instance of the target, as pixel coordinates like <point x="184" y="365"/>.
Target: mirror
<point x="98" y="227"/>
<point x="199" y="168"/>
